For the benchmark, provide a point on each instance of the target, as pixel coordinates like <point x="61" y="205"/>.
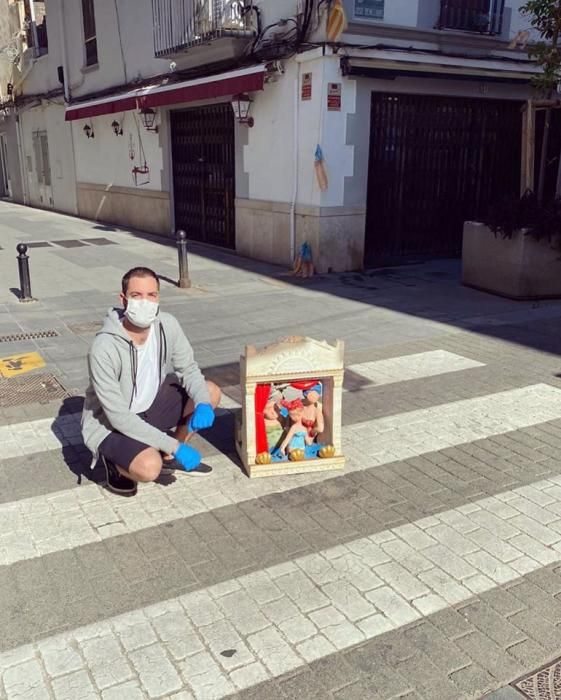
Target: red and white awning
<point x="209" y="88"/>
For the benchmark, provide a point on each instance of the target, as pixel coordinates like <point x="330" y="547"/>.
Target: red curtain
<point x="262" y="393"/>
<point x="305" y="384"/>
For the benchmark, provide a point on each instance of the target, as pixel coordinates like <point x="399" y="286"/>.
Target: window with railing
<point x="36" y="26"/>
<point x="482" y="16"/>
<point x="181" y="24"/>
<point x="90" y="35"/>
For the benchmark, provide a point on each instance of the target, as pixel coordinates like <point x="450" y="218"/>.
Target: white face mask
<point x="142" y="312"/>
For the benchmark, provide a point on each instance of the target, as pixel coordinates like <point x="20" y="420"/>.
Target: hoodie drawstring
<point x="134" y="368"/>
<point x="163" y="352"/>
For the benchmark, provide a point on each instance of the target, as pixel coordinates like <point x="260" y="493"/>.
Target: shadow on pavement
<point x="78" y="458"/>
<point x="218" y="440"/>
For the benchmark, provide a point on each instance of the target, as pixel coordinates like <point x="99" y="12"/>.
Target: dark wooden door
<point x="203" y="153"/>
<point x="436" y="162"/>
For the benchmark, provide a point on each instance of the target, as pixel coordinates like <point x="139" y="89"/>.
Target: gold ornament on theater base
<point x="327" y="452"/>
<point x="263" y="458"/>
<point x="297" y="455"/>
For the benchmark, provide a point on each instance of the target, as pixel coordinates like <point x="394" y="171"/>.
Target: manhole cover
<point x="84" y="328"/>
<point x="100" y="241"/>
<point x="69" y="244"/>
<point x="543" y="684"/>
<point x="27" y="336"/>
<point x="36" y="388"/>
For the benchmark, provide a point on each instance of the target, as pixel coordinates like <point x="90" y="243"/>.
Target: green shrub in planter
<point x="540" y="221"/>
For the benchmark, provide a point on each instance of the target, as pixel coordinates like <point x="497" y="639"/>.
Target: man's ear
<point x="123" y="300"/>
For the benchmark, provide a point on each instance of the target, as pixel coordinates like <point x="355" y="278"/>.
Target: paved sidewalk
<point x="430" y="568"/>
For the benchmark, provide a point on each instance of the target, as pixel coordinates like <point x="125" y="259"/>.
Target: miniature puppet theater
<point x="291" y="407"/>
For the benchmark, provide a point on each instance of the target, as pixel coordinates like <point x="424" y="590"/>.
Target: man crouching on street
<point x="147" y="394"/>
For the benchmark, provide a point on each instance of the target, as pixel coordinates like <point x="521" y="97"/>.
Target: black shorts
<point x="165" y="413"/>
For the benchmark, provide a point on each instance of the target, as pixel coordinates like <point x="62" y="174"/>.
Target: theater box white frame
<point x="292" y="359"/>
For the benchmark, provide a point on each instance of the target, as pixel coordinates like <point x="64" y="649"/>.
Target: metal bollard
<point x="24" y="279"/>
<point x="184" y="281"/>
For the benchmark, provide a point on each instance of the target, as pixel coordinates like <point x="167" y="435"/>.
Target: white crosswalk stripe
<point x="282" y="617"/>
<point x="52" y="434"/>
<point x="417" y="366"/>
<point x="53" y="522"/>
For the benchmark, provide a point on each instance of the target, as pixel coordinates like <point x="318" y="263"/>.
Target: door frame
<point x="4" y="167"/>
<point x="227" y="172"/>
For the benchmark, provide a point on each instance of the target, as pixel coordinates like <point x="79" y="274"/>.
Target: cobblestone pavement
<point x="429" y="569"/>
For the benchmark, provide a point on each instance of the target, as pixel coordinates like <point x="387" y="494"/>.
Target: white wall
<point x="269" y="153"/>
<point x="125" y="45"/>
<point x="50" y="117"/>
<point x="105" y="159"/>
<point x="339" y="156"/>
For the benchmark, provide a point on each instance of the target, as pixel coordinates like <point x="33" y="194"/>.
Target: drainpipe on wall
<point x="66" y="83"/>
<point x="67" y="98"/>
<point x="295" y="174"/>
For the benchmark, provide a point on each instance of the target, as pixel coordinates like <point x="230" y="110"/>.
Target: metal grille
<point x="482" y="16"/>
<point x="436" y="162"/>
<point x="544" y="684"/>
<point x="35" y="335"/>
<point x="36" y="388"/>
<point x="204" y="173"/>
<point x="180" y="24"/>
<point x="98" y="241"/>
<point x="70" y="244"/>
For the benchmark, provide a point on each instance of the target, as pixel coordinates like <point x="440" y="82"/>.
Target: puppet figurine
<point x="273" y="423"/>
<point x="297" y="437"/>
<point x="312" y="414"/>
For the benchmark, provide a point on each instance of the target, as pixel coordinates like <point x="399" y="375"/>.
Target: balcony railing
<point x="481" y="16"/>
<point x="182" y="24"/>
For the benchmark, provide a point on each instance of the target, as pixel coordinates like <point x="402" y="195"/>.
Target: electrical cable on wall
<point x="121" y="40"/>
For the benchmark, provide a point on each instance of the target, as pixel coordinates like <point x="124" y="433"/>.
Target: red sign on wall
<point x="334" y="97"/>
<point x="306" y="87"/>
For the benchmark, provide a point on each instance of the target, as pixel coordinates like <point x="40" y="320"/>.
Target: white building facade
<point x="128" y="119"/>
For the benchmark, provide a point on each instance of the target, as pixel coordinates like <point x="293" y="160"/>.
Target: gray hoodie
<point x="112" y="364"/>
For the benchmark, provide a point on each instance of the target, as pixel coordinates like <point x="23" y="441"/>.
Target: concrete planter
<point x="519" y="267"/>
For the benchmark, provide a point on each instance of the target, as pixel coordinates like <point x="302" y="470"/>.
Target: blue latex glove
<point x="202" y="418"/>
<point x="188" y="457"/>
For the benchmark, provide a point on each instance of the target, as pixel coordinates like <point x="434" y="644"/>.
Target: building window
<point x="90" y="38"/>
<point x="369" y="9"/>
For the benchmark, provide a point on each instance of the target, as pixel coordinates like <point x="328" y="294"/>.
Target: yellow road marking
<point x="20" y="364"/>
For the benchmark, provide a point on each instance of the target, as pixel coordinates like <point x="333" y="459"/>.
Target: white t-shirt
<point x="147" y="373"/>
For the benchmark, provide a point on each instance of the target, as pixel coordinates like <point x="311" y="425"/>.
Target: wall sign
<point x="334" y="97"/>
<point x="369" y="9"/>
<point x="306" y="87"/>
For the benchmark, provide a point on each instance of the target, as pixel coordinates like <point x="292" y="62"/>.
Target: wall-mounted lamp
<point x="241" y="104"/>
<point x="117" y="128"/>
<point x="88" y="130"/>
<point x="148" y="116"/>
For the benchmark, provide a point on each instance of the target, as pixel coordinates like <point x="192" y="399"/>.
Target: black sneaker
<point x="172" y="466"/>
<point x="116" y="482"/>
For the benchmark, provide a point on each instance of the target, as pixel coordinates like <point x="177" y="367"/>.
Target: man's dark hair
<point x="138" y="272"/>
